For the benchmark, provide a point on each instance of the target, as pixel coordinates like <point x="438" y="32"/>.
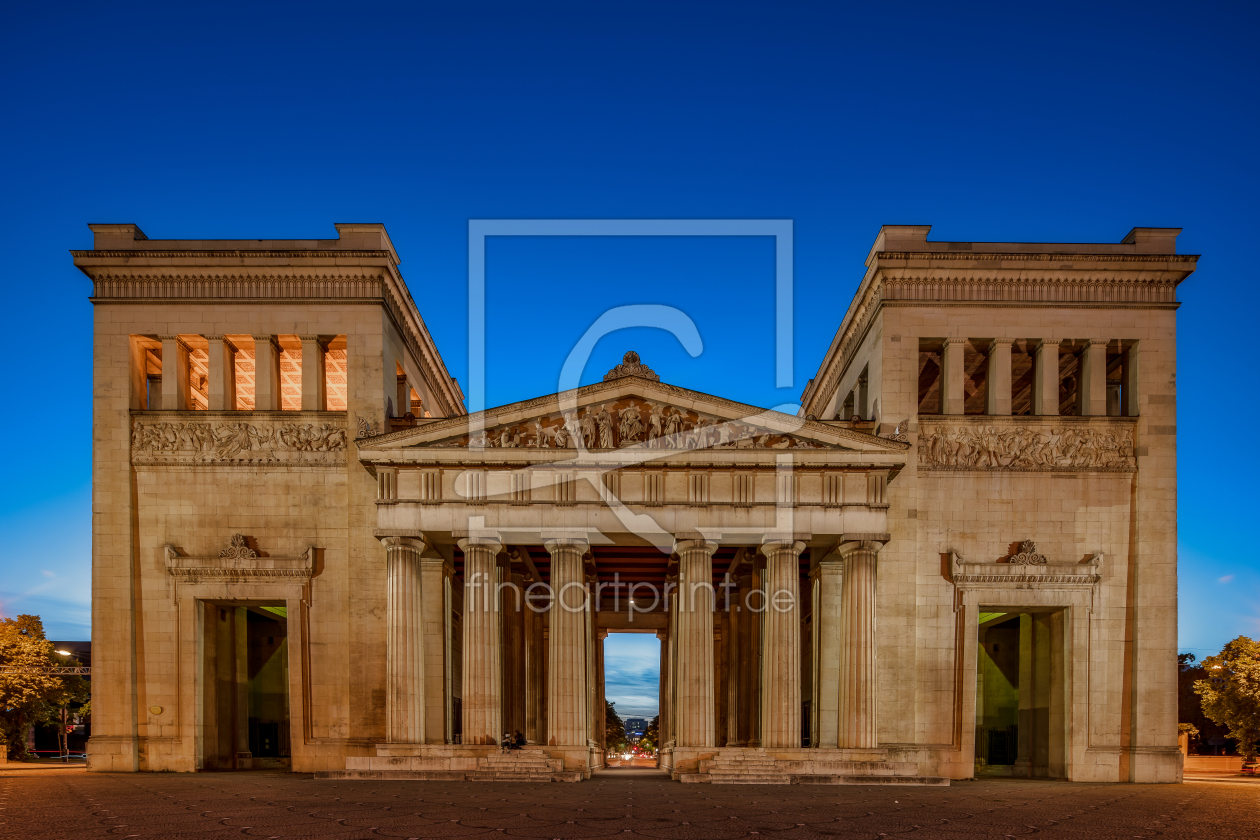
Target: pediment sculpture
<point x="631" y="421"/>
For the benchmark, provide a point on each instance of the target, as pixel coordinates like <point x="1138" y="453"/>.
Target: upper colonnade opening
<point x="1028" y="377"/>
<point x="241" y="372"/>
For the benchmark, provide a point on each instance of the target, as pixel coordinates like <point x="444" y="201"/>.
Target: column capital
<point x="482" y="540"/>
<point x="222" y="338"/>
<point x="1001" y="341"/>
<point x="266" y="338"/>
<point x="1043" y="343"/>
<point x="1096" y="342"/>
<point x="318" y="339"/>
<point x="780" y="542"/>
<point x="414" y="543"/>
<point x="179" y="342"/>
<point x="862" y="542"/>
<point x="707" y="546"/>
<point x="955" y="341"/>
<point x="558" y="542"/>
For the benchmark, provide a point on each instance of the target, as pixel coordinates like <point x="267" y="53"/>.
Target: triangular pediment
<point x="631" y="412"/>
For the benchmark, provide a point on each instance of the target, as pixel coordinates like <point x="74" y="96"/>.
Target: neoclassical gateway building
<point x="959" y="559"/>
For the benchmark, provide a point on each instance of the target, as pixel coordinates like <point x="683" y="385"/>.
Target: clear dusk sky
<point x="1004" y="122"/>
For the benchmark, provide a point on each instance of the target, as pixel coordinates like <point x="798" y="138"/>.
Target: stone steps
<point x="523" y="766"/>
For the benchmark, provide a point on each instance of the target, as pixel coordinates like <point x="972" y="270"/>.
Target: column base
<point x="461" y="763"/>
<point x="113" y="754"/>
<point x="797" y="766"/>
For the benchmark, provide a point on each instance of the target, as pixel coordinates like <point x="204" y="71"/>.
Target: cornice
<point x="490" y="417"/>
<point x="267" y="254"/>
<point x="1019" y="256"/>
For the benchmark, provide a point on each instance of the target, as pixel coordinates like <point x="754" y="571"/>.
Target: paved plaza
<point x="69" y="803"/>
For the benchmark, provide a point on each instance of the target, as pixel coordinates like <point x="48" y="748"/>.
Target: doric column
<point x="267" y="373"/>
<point x="404" y="641"/>
<point x="998" y="378"/>
<point x="601" y="699"/>
<point x="694" y="714"/>
<point x="435" y="582"/>
<point x="483" y="689"/>
<point x="734" y="679"/>
<point x="513" y="611"/>
<point x="858" y="672"/>
<point x="1132" y="404"/>
<point x="174" y="373"/>
<point x="403" y="404"/>
<point x="952" y="376"/>
<point x="669" y="664"/>
<point x="1091" y="390"/>
<point x="535" y="684"/>
<point x="746" y="652"/>
<point x="221" y="389"/>
<point x="827" y="582"/>
<point x="781" y="662"/>
<point x="314" y="386"/>
<point x="662" y="690"/>
<point x="862" y="398"/>
<point x="566" y="645"/>
<point x="1045" y="393"/>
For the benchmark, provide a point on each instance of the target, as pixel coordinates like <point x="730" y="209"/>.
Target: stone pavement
<point x="69" y="803"/>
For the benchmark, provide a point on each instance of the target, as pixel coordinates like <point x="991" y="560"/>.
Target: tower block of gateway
<point x="959" y="559"/>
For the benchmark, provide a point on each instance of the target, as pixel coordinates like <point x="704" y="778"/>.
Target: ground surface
<point x="45" y="802"/>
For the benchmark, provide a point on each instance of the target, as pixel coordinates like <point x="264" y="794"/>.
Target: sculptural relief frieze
<point x="1031" y="446"/>
<point x="631" y="422"/>
<point x="229" y="441"/>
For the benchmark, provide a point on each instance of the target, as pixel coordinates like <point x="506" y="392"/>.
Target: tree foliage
<point x="614" y="728"/>
<point x="31" y="697"/>
<point x="1190" y="705"/>
<point x="651" y="735"/>
<point x="1231" y="692"/>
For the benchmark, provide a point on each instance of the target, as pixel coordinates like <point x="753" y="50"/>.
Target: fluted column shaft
<point x="404" y="641"/>
<point x="482" y="649"/>
<point x="828" y="583"/>
<point x="858" y="671"/>
<point x="566" y="645"/>
<point x="694" y="716"/>
<point x="781" y="665"/>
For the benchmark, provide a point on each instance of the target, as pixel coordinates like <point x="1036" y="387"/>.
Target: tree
<point x="29" y="697"/>
<point x="1190" y="705"/>
<point x="651" y="735"/>
<point x="1231" y="692"/>
<point x="614" y="728"/>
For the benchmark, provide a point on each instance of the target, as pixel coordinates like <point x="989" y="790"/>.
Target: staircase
<point x="743" y="766"/>
<point x="516" y="766"/>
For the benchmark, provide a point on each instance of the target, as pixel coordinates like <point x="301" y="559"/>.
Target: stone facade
<point x="960" y="558"/>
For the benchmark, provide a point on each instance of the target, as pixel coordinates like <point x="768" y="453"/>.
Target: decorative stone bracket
<point x="240" y="564"/>
<point x="1024" y="573"/>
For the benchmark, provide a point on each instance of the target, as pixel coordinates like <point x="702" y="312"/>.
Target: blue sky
<point x="1063" y="122"/>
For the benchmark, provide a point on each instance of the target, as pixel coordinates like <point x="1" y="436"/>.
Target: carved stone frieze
<point x="1031" y="446"/>
<point x="631" y="422"/>
<point x="229" y="441"/>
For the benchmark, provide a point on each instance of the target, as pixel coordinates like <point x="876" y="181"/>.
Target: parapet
<point x="913" y="239"/>
<point x="351" y="236"/>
